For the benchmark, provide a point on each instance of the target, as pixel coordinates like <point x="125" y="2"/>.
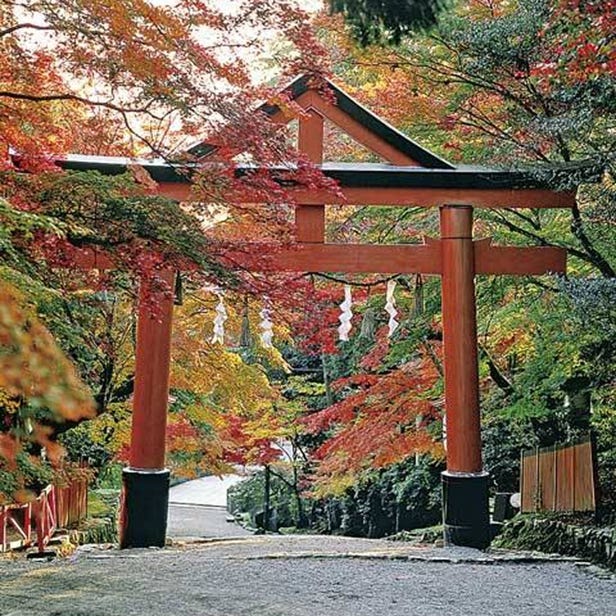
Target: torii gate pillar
<point x="145" y="482"/>
<point x="465" y="484"/>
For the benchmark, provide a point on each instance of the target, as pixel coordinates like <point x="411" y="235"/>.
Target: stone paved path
<point x="197" y="508"/>
<point x="299" y="576"/>
<point x="201" y="521"/>
<point x="204" y="491"/>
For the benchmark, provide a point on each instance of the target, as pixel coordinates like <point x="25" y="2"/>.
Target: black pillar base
<point x="466" y="519"/>
<point x="144" y="504"/>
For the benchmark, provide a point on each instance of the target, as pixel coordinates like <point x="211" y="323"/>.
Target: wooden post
<point x="310" y="219"/>
<point x="145" y="493"/>
<point x="465" y="485"/>
<point x="266" y="499"/>
<point x="555" y="479"/>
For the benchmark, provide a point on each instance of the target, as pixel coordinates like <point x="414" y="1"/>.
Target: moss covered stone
<point x="552" y="535"/>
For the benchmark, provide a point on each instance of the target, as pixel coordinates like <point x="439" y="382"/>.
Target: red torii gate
<point x="413" y="177"/>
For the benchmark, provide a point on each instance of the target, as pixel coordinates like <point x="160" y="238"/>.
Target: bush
<point x="9" y="484"/>
<point x="28" y="473"/>
<point x="402" y="497"/>
<point x="607" y="486"/>
<point x="80" y="446"/>
<point x="110" y="478"/>
<point x="249" y="497"/>
<point x="604" y="424"/>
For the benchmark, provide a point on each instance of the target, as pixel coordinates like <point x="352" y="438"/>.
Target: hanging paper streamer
<point x="346" y="314"/>
<point x="219" y="321"/>
<point x="444" y="431"/>
<point x="267" y="328"/>
<point x="390" y="307"/>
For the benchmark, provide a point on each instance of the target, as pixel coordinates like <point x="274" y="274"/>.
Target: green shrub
<point x="249" y="497"/>
<point x="80" y="446"/>
<point x="402" y="497"/>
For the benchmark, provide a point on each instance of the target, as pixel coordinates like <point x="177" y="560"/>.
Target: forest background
<point x="499" y="83"/>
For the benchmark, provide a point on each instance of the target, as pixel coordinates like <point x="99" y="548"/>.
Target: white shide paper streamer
<point x="219" y="321"/>
<point x="346" y="315"/>
<point x="267" y="327"/>
<point x="390" y="307"/>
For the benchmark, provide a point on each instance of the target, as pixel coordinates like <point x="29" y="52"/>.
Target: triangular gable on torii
<point x="329" y="102"/>
<point x="413" y="176"/>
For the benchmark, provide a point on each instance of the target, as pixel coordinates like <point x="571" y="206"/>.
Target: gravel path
<point x="299" y="576"/>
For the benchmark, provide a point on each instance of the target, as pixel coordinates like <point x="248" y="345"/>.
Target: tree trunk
<point x="328" y="390"/>
<point x="266" y="500"/>
<point x="300" y="522"/>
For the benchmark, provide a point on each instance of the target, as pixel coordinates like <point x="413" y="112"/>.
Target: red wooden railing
<point x="72" y="503"/>
<point x="45" y="516"/>
<point x="55" y="507"/>
<point x="18" y="519"/>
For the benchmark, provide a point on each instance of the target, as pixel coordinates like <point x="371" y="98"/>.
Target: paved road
<point x="197" y="509"/>
<point x="204" y="491"/>
<point x="299" y="576"/>
<point x="201" y="521"/>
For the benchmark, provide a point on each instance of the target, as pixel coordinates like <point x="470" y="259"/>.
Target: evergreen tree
<point x="387" y="21"/>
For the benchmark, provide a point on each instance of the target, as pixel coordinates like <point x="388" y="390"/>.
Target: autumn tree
<point x="170" y="74"/>
<point x="380" y="420"/>
<point x="525" y="84"/>
<point x="514" y="84"/>
<point x="180" y="68"/>
<point x="230" y="396"/>
<point x="38" y="386"/>
<point x="121" y="78"/>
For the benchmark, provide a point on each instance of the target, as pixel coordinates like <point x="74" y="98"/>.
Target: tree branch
<point x="47" y="98"/>
<point x="354" y="284"/>
<point x="24" y="26"/>
<point x="501" y="381"/>
<point x="542" y="241"/>
<point x="577" y="228"/>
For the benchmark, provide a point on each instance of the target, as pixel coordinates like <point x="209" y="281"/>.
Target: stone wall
<point x="551" y="535"/>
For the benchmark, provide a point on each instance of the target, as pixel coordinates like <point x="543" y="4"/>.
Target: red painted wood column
<point x="310" y="219"/>
<point x="465" y="485"/>
<point x="145" y="492"/>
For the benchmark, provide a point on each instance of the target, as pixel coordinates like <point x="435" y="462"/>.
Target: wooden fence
<point x="72" y="503"/>
<point x="45" y="515"/>
<point x="15" y="526"/>
<point x="558" y="478"/>
<point x="55" y="507"/>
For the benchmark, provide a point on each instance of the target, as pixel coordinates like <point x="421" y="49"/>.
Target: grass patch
<point x="98" y="507"/>
<point x="430" y="534"/>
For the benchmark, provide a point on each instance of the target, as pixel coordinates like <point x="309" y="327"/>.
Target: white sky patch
<point x="253" y="44"/>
